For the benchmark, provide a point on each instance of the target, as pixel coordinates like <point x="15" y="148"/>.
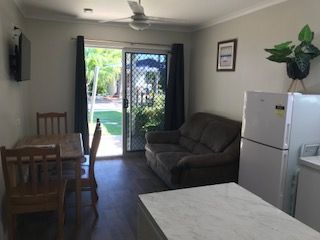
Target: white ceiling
<point x="191" y="13"/>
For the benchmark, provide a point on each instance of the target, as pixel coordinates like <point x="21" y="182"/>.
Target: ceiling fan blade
<point x="114" y="20"/>
<point x="136" y="7"/>
<point x="164" y="20"/>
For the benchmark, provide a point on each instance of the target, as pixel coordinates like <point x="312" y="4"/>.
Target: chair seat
<point x="43" y="199"/>
<point x="41" y="189"/>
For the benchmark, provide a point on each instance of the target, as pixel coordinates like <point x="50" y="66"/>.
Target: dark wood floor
<point x="119" y="183"/>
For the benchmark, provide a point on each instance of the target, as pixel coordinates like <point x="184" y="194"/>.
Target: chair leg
<point x="94" y="197"/>
<point x="12" y="226"/>
<point x="61" y="216"/>
<point x="95" y="188"/>
<point x="95" y="182"/>
<point x="61" y="212"/>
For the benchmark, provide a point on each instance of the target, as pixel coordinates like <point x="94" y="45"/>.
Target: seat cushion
<point x="187" y="143"/>
<point x="166" y="163"/>
<point x="168" y="160"/>
<point x="201" y="149"/>
<point x="158" y="148"/>
<point x="218" y="135"/>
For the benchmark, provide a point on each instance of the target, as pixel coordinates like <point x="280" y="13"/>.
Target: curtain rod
<point x="126" y="42"/>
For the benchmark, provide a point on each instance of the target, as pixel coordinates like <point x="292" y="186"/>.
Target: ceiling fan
<point x="140" y="21"/>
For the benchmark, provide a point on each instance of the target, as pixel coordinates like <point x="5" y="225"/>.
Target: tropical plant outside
<point x="109" y="63"/>
<point x="151" y="116"/>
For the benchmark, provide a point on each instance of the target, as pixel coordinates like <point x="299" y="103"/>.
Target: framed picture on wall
<point x="226" y="55"/>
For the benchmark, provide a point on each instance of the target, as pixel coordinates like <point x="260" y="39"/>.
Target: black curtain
<point x="174" y="105"/>
<point x="81" y="106"/>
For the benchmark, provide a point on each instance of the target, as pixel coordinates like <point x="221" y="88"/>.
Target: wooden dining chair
<point x="29" y="190"/>
<point x="52" y="123"/>
<point x="88" y="180"/>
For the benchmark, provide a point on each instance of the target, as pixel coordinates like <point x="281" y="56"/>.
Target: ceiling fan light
<point x="139" y="25"/>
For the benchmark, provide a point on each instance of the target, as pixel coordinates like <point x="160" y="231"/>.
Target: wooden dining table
<point x="71" y="151"/>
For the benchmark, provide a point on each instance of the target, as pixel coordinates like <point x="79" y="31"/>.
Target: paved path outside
<point x="105" y="103"/>
<point x="110" y="145"/>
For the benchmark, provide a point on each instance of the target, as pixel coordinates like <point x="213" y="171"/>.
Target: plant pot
<point x="294" y="72"/>
<point x="297" y="77"/>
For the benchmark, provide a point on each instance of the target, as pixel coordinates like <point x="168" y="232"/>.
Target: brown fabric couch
<point x="205" y="150"/>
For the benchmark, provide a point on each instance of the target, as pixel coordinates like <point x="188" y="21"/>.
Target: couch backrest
<point x="206" y="133"/>
<point x="191" y="130"/>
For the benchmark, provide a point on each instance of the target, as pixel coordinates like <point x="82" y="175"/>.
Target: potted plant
<point x="297" y="57"/>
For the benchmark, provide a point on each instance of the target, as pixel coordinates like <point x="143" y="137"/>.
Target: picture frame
<point x="226" y="55"/>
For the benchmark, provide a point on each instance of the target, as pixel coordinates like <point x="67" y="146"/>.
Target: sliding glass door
<point x="103" y="72"/>
<point x="144" y="77"/>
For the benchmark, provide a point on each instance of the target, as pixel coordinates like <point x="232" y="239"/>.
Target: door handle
<point x="125" y="103"/>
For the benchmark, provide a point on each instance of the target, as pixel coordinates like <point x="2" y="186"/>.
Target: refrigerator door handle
<point x="284" y="167"/>
<point x="287" y="135"/>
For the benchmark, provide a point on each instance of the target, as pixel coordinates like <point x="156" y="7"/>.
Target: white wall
<point x="222" y="92"/>
<point x="53" y="59"/>
<point x="13" y="104"/>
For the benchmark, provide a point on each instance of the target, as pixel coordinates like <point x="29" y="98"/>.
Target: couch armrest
<point x="163" y="136"/>
<point x="207" y="160"/>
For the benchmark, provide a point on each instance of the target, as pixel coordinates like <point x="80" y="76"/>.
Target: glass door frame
<point x="124" y="88"/>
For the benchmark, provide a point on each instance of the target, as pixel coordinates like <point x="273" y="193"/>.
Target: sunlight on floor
<point x="109" y="146"/>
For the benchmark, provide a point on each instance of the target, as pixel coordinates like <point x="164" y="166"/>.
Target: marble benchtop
<point x="221" y="212"/>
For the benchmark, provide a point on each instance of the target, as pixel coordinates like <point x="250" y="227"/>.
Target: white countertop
<point x="313" y="162"/>
<point x="221" y="212"/>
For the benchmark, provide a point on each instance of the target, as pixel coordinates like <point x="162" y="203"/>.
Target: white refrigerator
<point x="274" y="127"/>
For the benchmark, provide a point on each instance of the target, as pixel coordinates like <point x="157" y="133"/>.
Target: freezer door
<point x="263" y="170"/>
<point x="267" y="118"/>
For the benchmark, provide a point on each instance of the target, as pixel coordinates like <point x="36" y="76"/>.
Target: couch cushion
<point x="219" y="134"/>
<point x="201" y="149"/>
<point x="187" y="143"/>
<point x="195" y="125"/>
<point x="168" y="160"/>
<point x="158" y="148"/>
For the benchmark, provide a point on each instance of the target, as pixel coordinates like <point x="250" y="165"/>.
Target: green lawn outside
<point x="111" y="122"/>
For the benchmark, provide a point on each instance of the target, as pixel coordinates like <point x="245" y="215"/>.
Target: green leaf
<point x="312" y="50"/>
<point x="279" y="59"/>
<point x="284" y="52"/>
<point x="298" y="50"/>
<point x="306" y="35"/>
<point x="282" y="45"/>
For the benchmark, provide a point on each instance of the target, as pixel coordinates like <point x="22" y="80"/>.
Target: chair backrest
<point x="21" y="170"/>
<point x="94" y="147"/>
<point x="50" y="123"/>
